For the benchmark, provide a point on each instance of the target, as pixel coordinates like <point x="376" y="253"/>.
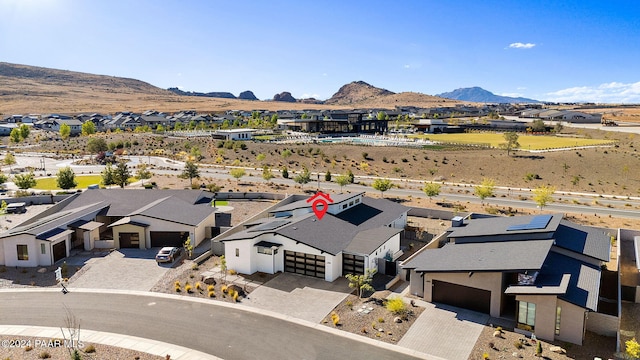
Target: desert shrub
<point x="178" y="289"/>
<point x="44" y="355"/>
<point x="28" y="348"/>
<point x="211" y="293"/>
<point x="380" y="320"/>
<point x="396" y="306"/>
<point x="198" y="286"/>
<point x="210" y="288"/>
<point x="485" y="356"/>
<point x="188" y="288"/>
<point x="194" y="266"/>
<point x="518" y="344"/>
<point x="224" y="289"/>
<point x="335" y="318"/>
<point x="90" y="349"/>
<point x="235" y="296"/>
<point x="177" y="284"/>
<point x="232" y="272"/>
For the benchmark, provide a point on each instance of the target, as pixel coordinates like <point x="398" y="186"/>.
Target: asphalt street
<point x="229" y="333"/>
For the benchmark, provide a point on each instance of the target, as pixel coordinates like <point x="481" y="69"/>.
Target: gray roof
<point x="301" y="204"/>
<point x="584" y="239"/>
<point x="334" y="233"/>
<point x="367" y="241"/>
<point x="488" y="256"/>
<point x="500" y="225"/>
<point x="559" y="288"/>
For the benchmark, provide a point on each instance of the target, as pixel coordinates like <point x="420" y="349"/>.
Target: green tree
<point x="286" y="153"/>
<point x="237" y="173"/>
<point x="342" y="180"/>
<point x="352" y="178"/>
<point x="66" y="178"/>
<point x="121" y="174"/>
<point x="108" y="177"/>
<point x="96" y="145"/>
<point x="178" y="126"/>
<point x="14" y="135"/>
<point x="195" y="153"/>
<point x="261" y="157"/>
<point x="362" y="282"/>
<point x="382" y="185"/>
<point x="88" y="128"/>
<point x="543" y="195"/>
<point x="190" y="171"/>
<point x="143" y="173"/>
<point x="65" y="131"/>
<point x="381" y="115"/>
<point x="538" y="126"/>
<point x="304" y="177"/>
<point x="267" y="174"/>
<point x="214" y="188"/>
<point x="25" y="130"/>
<point x="485" y="189"/>
<point x="511" y="142"/>
<point x="285" y="172"/>
<point x="188" y="247"/>
<point x="3" y="178"/>
<point x="25" y="181"/>
<point x="431" y="189"/>
<point x="160" y="128"/>
<point x="327" y="176"/>
<point x="274" y="119"/>
<point x="10" y="160"/>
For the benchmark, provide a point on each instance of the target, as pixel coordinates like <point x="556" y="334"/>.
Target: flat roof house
<point x="541" y="271"/>
<point x="109" y="218"/>
<point x="356" y="233"/>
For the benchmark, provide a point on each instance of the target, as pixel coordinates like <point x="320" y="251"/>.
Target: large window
<point x="264" y="250"/>
<point x="23" y="252"/>
<point x="526" y="315"/>
<point x="558" y="311"/>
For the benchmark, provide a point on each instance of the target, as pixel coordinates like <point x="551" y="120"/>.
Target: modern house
<point x="355" y="234"/>
<point x="109" y="218"/>
<point x="234" y="134"/>
<point x="541" y="271"/>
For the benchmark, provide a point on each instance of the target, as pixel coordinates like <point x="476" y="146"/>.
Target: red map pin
<point x="320" y="204"/>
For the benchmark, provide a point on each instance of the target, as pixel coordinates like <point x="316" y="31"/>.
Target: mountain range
<point x="478" y="94"/>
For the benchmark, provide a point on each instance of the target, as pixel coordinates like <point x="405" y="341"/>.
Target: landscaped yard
<point x="527" y="142"/>
<point x="83" y="182"/>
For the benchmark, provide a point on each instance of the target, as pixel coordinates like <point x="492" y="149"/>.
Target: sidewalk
<point x="105" y="338"/>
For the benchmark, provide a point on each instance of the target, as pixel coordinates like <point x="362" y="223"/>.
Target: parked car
<point x="168" y="254"/>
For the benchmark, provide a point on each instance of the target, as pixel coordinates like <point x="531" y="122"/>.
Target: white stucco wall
<point x="11" y="250"/>
<point x="47" y="257"/>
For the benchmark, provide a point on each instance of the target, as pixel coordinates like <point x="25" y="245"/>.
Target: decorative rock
<point x="42" y="270"/>
<point x="497" y="334"/>
<point x="557" y="349"/>
<point x="516" y="355"/>
<point x="397" y="319"/>
<point x="209" y="280"/>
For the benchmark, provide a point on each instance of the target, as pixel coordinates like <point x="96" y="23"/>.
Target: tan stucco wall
<point x="491" y="281"/>
<point x="602" y="324"/>
<point x="127" y="228"/>
<point x="572" y="323"/>
<point x="571" y="318"/>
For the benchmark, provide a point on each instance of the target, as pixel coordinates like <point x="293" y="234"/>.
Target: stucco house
<point x="540" y="271"/>
<point x="109" y="218"/>
<point x="356" y="233"/>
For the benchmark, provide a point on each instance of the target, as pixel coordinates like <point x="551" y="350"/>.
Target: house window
<point x="526" y="315"/>
<point x="558" y="311"/>
<point x="357" y="201"/>
<point x="264" y="250"/>
<point x="344" y="206"/>
<point x="43" y="249"/>
<point x="23" y="252"/>
<point x="237" y="252"/>
<point x="350" y="203"/>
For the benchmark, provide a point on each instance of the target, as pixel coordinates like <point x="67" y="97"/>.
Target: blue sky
<point x="548" y="50"/>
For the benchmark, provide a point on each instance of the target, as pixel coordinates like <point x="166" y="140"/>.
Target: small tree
<point x="143" y="173"/>
<point x="188" y="247"/>
<point x="352" y="178"/>
<point x="25" y="181"/>
<point x="88" y="128"/>
<point x="382" y="185"/>
<point x="538" y="126"/>
<point x="108" y="177"/>
<point x="543" y="195"/>
<point x="511" y="142"/>
<point x="267" y="174"/>
<point x="223" y="268"/>
<point x="237" y="173"/>
<point x="327" y="176"/>
<point x="10" y="160"/>
<point x="121" y="174"/>
<point x="362" y="282"/>
<point x="304" y="177"/>
<point x="190" y="171"/>
<point x="65" y="131"/>
<point x="485" y="189"/>
<point x="66" y="178"/>
<point x="14" y="135"/>
<point x="285" y="172"/>
<point x="431" y="189"/>
<point x="342" y="180"/>
<point x="539" y="349"/>
<point x="24" y="130"/>
<point x="96" y="145"/>
<point x="3" y="178"/>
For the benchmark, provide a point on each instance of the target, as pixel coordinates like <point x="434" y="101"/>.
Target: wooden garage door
<point x="168" y="238"/>
<point x="304" y="264"/>
<point x="461" y="296"/>
<point x="352" y="264"/>
<point x="59" y="251"/>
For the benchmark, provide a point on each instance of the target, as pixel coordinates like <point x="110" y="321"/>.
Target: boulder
<point x="397" y="319"/>
<point x="42" y="270"/>
<point x="209" y="280"/>
<point x="237" y="289"/>
<point x="557" y="349"/>
<point x="497" y="333"/>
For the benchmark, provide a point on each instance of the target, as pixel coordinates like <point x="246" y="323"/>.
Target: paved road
<point x="223" y="331"/>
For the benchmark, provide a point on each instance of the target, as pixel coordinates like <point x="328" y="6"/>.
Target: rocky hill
<point x="218" y="94"/>
<point x="284" y="96"/>
<point x="247" y="95"/>
<point x="355" y="92"/>
<point x="478" y="94"/>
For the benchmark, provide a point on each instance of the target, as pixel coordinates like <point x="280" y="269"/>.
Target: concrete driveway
<point x="302" y="297"/>
<point x="445" y="331"/>
<point x="124" y="269"/>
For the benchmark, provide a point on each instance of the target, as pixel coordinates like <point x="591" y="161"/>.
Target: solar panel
<point x="537" y="222"/>
<point x="270" y="225"/>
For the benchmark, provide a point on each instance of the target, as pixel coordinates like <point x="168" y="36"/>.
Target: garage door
<point x="59" y="251"/>
<point x="461" y="296"/>
<point x="168" y="238"/>
<point x="352" y="264"/>
<point x="304" y="264"/>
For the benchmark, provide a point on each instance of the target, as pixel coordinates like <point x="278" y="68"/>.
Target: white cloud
<point x="519" y="45"/>
<point x="613" y="92"/>
<point x="325" y="74"/>
<point x="521" y="88"/>
<point x="512" y="94"/>
<point x="306" y="96"/>
<point x="407" y="66"/>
